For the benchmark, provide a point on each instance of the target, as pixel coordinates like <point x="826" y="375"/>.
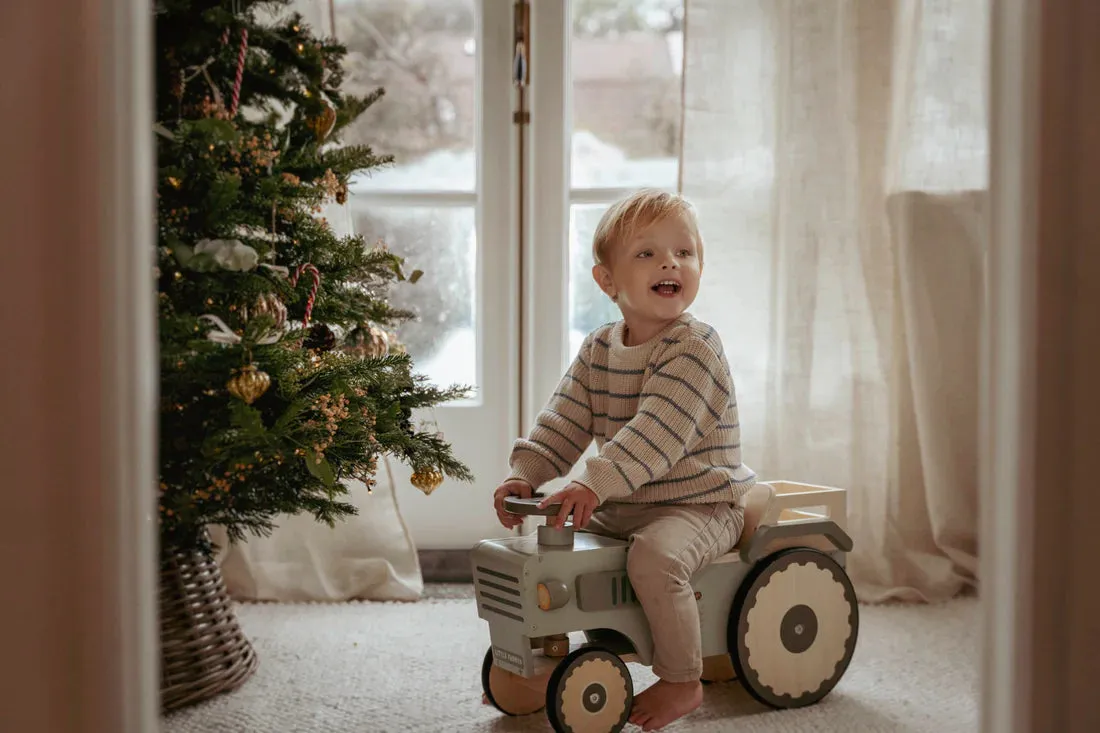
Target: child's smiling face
<point x="654" y="275"/>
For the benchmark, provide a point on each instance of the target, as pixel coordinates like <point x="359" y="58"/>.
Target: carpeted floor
<point x="415" y="668"/>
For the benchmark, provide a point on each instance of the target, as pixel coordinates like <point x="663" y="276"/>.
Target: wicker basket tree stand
<point x="203" y="650"/>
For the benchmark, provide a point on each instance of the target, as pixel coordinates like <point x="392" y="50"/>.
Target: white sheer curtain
<point x="837" y="152"/>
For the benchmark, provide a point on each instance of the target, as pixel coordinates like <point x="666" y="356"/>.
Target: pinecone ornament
<point x="321" y="338"/>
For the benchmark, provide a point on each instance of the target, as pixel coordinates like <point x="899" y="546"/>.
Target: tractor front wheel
<point x="508" y="692"/>
<point x="590" y="691"/>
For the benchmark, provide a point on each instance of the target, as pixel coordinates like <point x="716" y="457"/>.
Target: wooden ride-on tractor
<point x="778" y="612"/>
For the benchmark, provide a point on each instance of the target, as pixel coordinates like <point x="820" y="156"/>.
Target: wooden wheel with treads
<point x="508" y="692"/>
<point x="590" y="691"/>
<point x="793" y="627"/>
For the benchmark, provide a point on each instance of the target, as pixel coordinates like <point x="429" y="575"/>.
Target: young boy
<point x="654" y="391"/>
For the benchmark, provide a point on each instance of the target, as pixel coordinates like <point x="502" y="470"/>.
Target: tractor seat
<point x="756" y="504"/>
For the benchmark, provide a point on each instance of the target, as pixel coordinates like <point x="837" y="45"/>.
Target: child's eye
<point x="645" y="253"/>
<point x="686" y="253"/>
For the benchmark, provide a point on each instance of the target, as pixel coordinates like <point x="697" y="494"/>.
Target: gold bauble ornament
<point x="248" y="384"/>
<point x="323" y="122"/>
<point x="427" y="480"/>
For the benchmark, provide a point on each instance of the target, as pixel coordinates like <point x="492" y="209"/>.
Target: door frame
<point x="1041" y="401"/>
<point x="78" y="440"/>
<point x="546" y="257"/>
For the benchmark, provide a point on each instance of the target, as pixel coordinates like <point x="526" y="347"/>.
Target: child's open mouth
<point x="666" y="287"/>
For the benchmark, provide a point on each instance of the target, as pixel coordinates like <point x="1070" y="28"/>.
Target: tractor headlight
<point x="552" y="594"/>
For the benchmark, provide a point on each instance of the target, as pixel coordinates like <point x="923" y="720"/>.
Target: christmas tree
<point x="280" y="375"/>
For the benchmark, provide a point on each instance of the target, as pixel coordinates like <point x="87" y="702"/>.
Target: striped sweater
<point x="663" y="415"/>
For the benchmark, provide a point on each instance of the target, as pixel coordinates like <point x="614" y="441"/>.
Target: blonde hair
<point x="635" y="213"/>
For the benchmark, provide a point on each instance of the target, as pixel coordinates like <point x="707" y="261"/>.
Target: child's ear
<point x="602" y="276"/>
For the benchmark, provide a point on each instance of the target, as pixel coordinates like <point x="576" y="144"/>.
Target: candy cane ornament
<point x="313" y="291"/>
<point x="240" y="73"/>
<point x="236" y="98"/>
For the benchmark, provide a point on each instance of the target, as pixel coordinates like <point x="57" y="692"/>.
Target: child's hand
<point x="576" y="498"/>
<point x="515" y="487"/>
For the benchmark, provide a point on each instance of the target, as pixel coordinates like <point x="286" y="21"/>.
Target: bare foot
<point x="663" y="702"/>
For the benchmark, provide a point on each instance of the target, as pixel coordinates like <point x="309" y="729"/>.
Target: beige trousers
<point x="668" y="545"/>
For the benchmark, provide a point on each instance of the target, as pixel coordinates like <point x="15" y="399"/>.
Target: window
<point x="626" y="66"/>
<point x="425" y="56"/>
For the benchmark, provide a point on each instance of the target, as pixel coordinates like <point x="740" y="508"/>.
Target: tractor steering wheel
<point x="530" y="507"/>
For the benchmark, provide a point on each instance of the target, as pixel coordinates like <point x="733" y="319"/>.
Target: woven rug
<point x="415" y="667"/>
